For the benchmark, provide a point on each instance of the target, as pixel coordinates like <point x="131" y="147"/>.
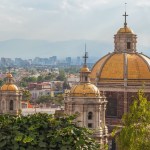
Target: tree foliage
<point x="1" y="82"/>
<point x="26" y="95"/>
<point x="135" y="134"/>
<point x="29" y="79"/>
<point x="43" y="132"/>
<point x="58" y="99"/>
<point x="40" y="79"/>
<point x="61" y="76"/>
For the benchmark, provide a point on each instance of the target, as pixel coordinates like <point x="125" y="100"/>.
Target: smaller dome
<point x="84" y="90"/>
<point x="84" y="69"/>
<point x="9" y="87"/>
<point x="125" y="30"/>
<point x="9" y="75"/>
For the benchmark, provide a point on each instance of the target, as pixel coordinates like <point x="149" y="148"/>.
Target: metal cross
<point x="125" y="15"/>
<point x="85" y="56"/>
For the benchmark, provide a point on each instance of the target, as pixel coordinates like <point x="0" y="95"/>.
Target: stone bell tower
<point x="86" y="100"/>
<point x="125" y="40"/>
<point x="10" y="97"/>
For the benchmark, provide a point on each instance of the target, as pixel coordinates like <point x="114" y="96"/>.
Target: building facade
<point x="121" y="74"/>
<point x="86" y="100"/>
<point x="10" y="97"/>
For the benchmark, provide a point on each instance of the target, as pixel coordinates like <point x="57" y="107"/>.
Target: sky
<point x="62" y="20"/>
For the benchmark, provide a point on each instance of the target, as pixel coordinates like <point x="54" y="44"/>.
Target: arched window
<point x="90" y="116"/>
<point x="11" y="105"/>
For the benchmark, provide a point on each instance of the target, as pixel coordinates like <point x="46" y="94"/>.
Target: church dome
<point x="84" y="90"/>
<point x="84" y="69"/>
<point x="9" y="87"/>
<point x="125" y="30"/>
<point x="115" y="67"/>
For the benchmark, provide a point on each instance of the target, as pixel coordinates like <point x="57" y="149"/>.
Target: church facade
<point x="121" y="74"/>
<point x="89" y="103"/>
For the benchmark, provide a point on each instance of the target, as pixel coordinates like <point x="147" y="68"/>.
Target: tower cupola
<point x="125" y="40"/>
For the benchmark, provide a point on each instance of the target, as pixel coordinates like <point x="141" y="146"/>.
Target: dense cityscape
<point x="51" y="61"/>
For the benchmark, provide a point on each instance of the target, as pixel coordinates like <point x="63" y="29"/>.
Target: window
<point x="86" y="78"/>
<point x="11" y="105"/>
<point x="128" y="45"/>
<point x="90" y="116"/>
<point x="111" y="110"/>
<point x="90" y="125"/>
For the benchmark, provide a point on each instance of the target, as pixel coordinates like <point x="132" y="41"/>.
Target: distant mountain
<point x="40" y="48"/>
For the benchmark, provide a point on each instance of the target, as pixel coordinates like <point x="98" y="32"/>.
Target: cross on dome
<point x="125" y="15"/>
<point x="85" y="56"/>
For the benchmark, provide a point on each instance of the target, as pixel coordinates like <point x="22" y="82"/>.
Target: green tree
<point x="45" y="99"/>
<point x="61" y="76"/>
<point x="58" y="99"/>
<point x="29" y="79"/>
<point x="1" y="82"/>
<point x="23" y="84"/>
<point x="47" y="78"/>
<point x="32" y="79"/>
<point x="40" y="79"/>
<point x="44" y="132"/>
<point x="135" y="134"/>
<point x="26" y="95"/>
<point x="66" y="85"/>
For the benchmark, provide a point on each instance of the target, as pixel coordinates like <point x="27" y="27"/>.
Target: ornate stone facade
<point x="10" y="97"/>
<point x="121" y="74"/>
<point x="86" y="100"/>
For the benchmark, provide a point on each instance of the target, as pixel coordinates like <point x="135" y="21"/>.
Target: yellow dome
<point x="84" y="90"/>
<point x="115" y="67"/>
<point x="84" y="69"/>
<point x="9" y="87"/>
<point x="125" y="30"/>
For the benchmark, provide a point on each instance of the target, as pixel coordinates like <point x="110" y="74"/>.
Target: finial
<point x="85" y="56"/>
<point x="125" y="15"/>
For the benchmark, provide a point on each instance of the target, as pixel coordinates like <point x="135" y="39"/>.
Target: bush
<point x="43" y="132"/>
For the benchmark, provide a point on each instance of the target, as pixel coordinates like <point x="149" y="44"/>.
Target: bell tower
<point x="86" y="100"/>
<point x="10" y="97"/>
<point x="125" y="40"/>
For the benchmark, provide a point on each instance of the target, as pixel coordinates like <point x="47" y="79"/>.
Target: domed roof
<point x="125" y="30"/>
<point x="116" y="67"/>
<point x="84" y="69"/>
<point x="9" y="87"/>
<point x="84" y="90"/>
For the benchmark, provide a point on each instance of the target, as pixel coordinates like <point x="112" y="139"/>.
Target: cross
<point x="9" y="69"/>
<point x="125" y="15"/>
<point x="85" y="56"/>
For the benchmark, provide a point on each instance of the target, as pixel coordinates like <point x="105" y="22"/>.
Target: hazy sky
<point x="59" y="20"/>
